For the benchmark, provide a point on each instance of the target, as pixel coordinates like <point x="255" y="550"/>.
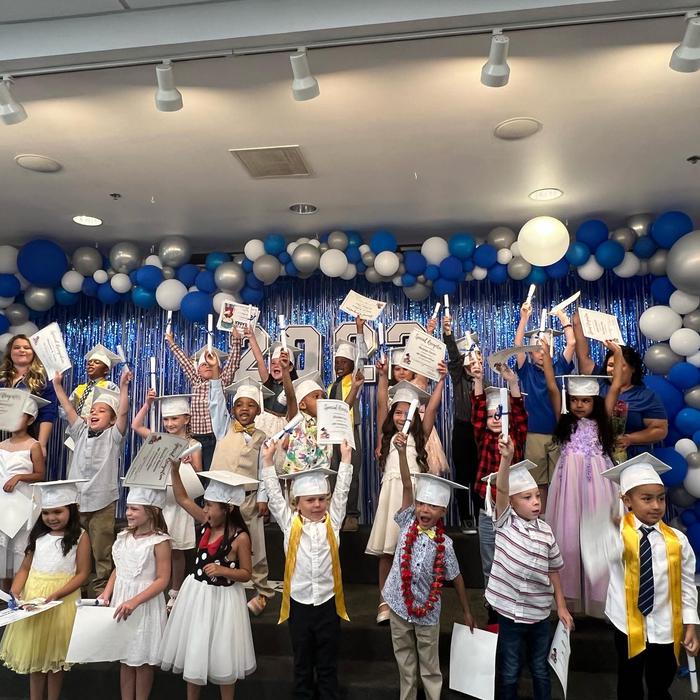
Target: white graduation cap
<point x="470" y="341"/>
<point x="309" y="482"/>
<point x="111" y="398"/>
<point x="346" y="349"/>
<point x="174" y="405"/>
<point x="519" y="479"/>
<point x="56" y="494"/>
<point x="276" y="350"/>
<point x="226" y="487"/>
<point x="250" y="389"/>
<point x="32" y="404"/>
<point x="144" y="496"/>
<point x="397" y="355"/>
<point x="103" y="355"/>
<point x="405" y="391"/>
<point x="638" y="471"/>
<point x="579" y="385"/>
<point x="307" y="384"/>
<point x="549" y="332"/>
<point x="435" y="490"/>
<point x="199" y="357"/>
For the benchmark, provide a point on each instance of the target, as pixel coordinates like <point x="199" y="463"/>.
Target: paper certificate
<point x="600" y="326"/>
<point x="473" y="662"/>
<point x="502" y="356"/>
<point x="422" y="354"/>
<point x="11" y="408"/>
<point x="235" y="315"/>
<point x="355" y="304"/>
<point x="151" y="467"/>
<point x="49" y="346"/>
<point x="97" y="636"/>
<point x="559" y="654"/>
<point x="333" y="422"/>
<point x="7" y="617"/>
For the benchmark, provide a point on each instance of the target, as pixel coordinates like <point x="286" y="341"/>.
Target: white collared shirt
<point x="658" y="625"/>
<point x="312" y="580"/>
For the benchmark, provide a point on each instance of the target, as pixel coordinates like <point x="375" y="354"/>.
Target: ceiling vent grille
<point x="272" y="161"/>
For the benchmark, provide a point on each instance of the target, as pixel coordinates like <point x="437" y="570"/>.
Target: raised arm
<point x="138" y="425"/>
<point x="292" y="408"/>
<point x="220" y="418"/>
<point x="233" y="361"/>
<point x="586" y="365"/>
<point x="275" y="499"/>
<point x="614" y="393"/>
<point x="263" y="371"/>
<point x="185" y="363"/>
<point x="525" y="311"/>
<point x="435" y="399"/>
<point x="382" y="396"/>
<point x="66" y="405"/>
<point x="358" y="381"/>
<point x="503" y="476"/>
<point x="181" y="496"/>
<point x="123" y="408"/>
<point x="400" y="441"/>
<point x="552" y="388"/>
<point x="569" y="335"/>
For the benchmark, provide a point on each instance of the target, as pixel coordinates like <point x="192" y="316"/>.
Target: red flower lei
<point x="438" y="570"/>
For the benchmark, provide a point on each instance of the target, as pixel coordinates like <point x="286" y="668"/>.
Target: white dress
<point x="135" y="562"/>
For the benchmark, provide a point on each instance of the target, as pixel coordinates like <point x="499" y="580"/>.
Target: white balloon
<point x="364" y="248"/>
<point x="72" y="281"/>
<point x="691" y="483"/>
<point x="694" y="359"/>
<point x="659" y="322"/>
<point x="685" y="342"/>
<point x="685" y="447"/>
<point x="333" y="263"/>
<point x="629" y="266"/>
<point x="435" y="250"/>
<point x="396" y="281"/>
<point x="590" y="270"/>
<point x="4" y="340"/>
<point x="8" y="260"/>
<point x="100" y="276"/>
<point x="291" y="247"/>
<point x="121" y="282"/>
<point x="6" y="301"/>
<point x="27" y="329"/>
<point x="315" y="242"/>
<point x="543" y="240"/>
<point x="221" y="297"/>
<point x="153" y="260"/>
<point x="350" y="272"/>
<point x="479" y="273"/>
<point x="504" y="256"/>
<point x="515" y="249"/>
<point x="682" y="302"/>
<point x="386" y="263"/>
<point x="169" y="294"/>
<point x="253" y="249"/>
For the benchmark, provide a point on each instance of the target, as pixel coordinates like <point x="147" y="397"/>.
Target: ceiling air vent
<point x="272" y="161"/>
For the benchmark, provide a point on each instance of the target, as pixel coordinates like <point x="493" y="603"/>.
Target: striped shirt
<point x="526" y="551"/>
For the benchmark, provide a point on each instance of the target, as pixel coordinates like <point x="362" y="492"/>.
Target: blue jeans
<point x="487" y="543"/>
<point x="511" y="638"/>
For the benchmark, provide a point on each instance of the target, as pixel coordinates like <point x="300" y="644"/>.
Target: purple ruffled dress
<point x="578" y="489"/>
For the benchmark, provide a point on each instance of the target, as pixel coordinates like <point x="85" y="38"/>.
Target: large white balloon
<point x="659" y="322"/>
<point x="629" y="266"/>
<point x="254" y="249"/>
<point x="333" y="263"/>
<point x="685" y="341"/>
<point x="8" y="260"/>
<point x="72" y="281"/>
<point x="121" y="283"/>
<point x="543" y="240"/>
<point x="170" y="293"/>
<point x="590" y="270"/>
<point x="682" y="302"/>
<point x="479" y="273"/>
<point x="435" y="250"/>
<point x="685" y="447"/>
<point x="691" y="483"/>
<point x="386" y="263"/>
<point x="350" y="272"/>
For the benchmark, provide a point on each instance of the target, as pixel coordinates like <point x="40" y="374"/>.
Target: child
<point x="385" y="532"/>
<point x="524" y="575"/>
<point x="99" y="361"/>
<point x="55" y="566"/>
<point x="175" y="414"/>
<point x="312" y="598"/>
<point x="198" y="372"/>
<point x="208" y="637"/>
<point x="652" y="599"/>
<point x="21" y="464"/>
<point x="238" y="444"/>
<point x="98" y="446"/>
<point x="141" y="574"/>
<point x="414" y="586"/>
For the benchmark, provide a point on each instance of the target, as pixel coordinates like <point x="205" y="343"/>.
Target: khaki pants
<point x="541" y="450"/>
<point x="100" y="527"/>
<point x="416" y="648"/>
<point x="249" y="511"/>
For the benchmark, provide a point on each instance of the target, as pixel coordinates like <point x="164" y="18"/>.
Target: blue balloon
<point x="451" y="268"/>
<point x="669" y="227"/>
<point x="284" y="257"/>
<point x="253" y="282"/>
<point x="415" y="262"/>
<point x="251" y="296"/>
<point x="361" y="267"/>
<point x="537" y="276"/>
<point x="688" y="517"/>
<point x="609" y="254"/>
<point x="693" y="536"/>
<point x="592" y="232"/>
<point x="558" y="270"/>
<point x="408" y="280"/>
<point x="696" y="508"/>
<point x="62" y="297"/>
<point x="443" y="286"/>
<point x="672" y="437"/>
<point x="274" y="244"/>
<point x="679" y="467"/>
<point x="213" y="260"/>
<point x="671" y="398"/>
<point x="290" y="269"/>
<point x="644" y="247"/>
<point x="205" y="282"/>
<point x="688" y="421"/>
<point x="9" y="286"/>
<point x="353" y="254"/>
<point x="247" y="265"/>
<point x="354" y="238"/>
<point x="4" y="323"/>
<point x="132" y="276"/>
<point x="468" y="266"/>
<point x="42" y="262"/>
<point x="196" y="306"/>
<point x="578" y="254"/>
<point x="432" y="272"/>
<point x="90" y="287"/>
<point x="498" y="273"/>
<point x="324" y="237"/>
<point x="149" y="277"/>
<point x="696" y="437"/>
<point x="661" y="290"/>
<point x="383" y="240"/>
<point x="485" y="255"/>
<point x="684" y="376"/>
<point x="462" y="245"/>
<point x="187" y="275"/>
<point x="107" y="295"/>
<point x="144" y="298"/>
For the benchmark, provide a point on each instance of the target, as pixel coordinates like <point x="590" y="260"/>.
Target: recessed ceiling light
<point x="545" y="194"/>
<point x="303" y="208"/>
<point x="517" y="128"/>
<point x="85" y="220"/>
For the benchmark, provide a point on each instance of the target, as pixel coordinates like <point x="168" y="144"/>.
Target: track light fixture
<point x="496" y="71"/>
<point x="686" y="56"/>
<point x="168" y="97"/>
<point x="304" y="85"/>
<point x="11" y="111"/>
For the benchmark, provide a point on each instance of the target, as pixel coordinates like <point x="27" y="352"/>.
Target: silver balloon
<point x="17" y="314"/>
<point x="519" y="268"/>
<point x="267" y="269"/>
<point x="323" y="247"/>
<point x="87" y="260"/>
<point x="306" y="258"/>
<point x="692" y="397"/>
<point x="238" y="259"/>
<point x="680" y="497"/>
<point x="125" y="257"/>
<point x="692" y="320"/>
<point x="501" y="237"/>
<point x="693" y="460"/>
<point x="368" y="258"/>
<point x="658" y="262"/>
<point x="338" y="240"/>
<point x="371" y="275"/>
<point x="174" y="251"/>
<point x="640" y="223"/>
<point x="417" y="292"/>
<point x="684" y="262"/>
<point x="660" y="358"/>
<point x="229" y="277"/>
<point x="168" y="272"/>
<point x="626" y="237"/>
<point x="39" y="298"/>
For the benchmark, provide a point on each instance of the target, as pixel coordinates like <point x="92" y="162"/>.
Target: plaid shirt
<point x="487" y="441"/>
<point x="200" y="419"/>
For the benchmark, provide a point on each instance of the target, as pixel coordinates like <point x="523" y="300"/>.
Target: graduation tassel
<point x="564" y="409"/>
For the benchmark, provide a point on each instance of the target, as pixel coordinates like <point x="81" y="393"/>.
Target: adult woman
<point x="21" y="369"/>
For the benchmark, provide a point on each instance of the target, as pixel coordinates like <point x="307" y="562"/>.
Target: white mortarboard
<point x="638" y="471"/>
<point x="583" y="384"/>
<point x="103" y="355"/>
<point x="226" y="487"/>
<point x="199" y="356"/>
<point x="32" y="404"/>
<point x="397" y="355"/>
<point x="468" y="342"/>
<point x="56" y="494"/>
<point x="276" y="350"/>
<point x="550" y="332"/>
<point x="435" y="490"/>
<point x="306" y="384"/>
<point x="250" y="389"/>
<point x="143" y="496"/>
<point x="346" y="349"/>
<point x="309" y="482"/>
<point x="111" y="398"/>
<point x="520" y="479"/>
<point x="174" y="405"/>
<point x="405" y="391"/>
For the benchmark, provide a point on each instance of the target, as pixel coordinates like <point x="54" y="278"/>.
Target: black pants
<point x="353" y="506"/>
<point x="656" y="665"/>
<point x="464" y="457"/>
<point x="315" y="633"/>
<point x="208" y="441"/>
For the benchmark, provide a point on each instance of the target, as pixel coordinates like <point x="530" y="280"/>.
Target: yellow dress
<point x="40" y="643"/>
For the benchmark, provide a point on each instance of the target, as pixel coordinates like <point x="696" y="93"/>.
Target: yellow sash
<point x="636" y="642"/>
<point x="291" y="562"/>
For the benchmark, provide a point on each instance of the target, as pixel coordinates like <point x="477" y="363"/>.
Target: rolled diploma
<point x="152" y="412"/>
<point x="436" y="309"/>
<point x="210" y="331"/>
<point x="120" y="352"/>
<point x="289" y="427"/>
<point x="530" y="294"/>
<point x="447" y="304"/>
<point x="409" y="417"/>
<point x="91" y="603"/>
<point x="692" y="674"/>
<point x="381" y="340"/>
<point x="189" y="451"/>
<point x="543" y="320"/>
<point x="283" y="331"/>
<point x="169" y="323"/>
<point x="505" y="403"/>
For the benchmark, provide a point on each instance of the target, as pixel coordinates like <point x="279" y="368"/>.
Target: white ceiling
<point x="400" y="137"/>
